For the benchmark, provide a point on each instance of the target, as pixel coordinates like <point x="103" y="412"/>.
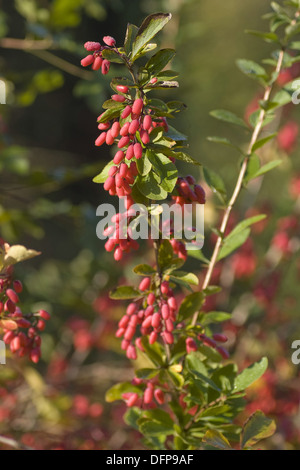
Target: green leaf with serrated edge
<point x="190" y="278"/>
<point x="213" y="317"/>
<point x="252" y="167"/>
<point x="112" y="56"/>
<point x="244" y="224"/>
<point x="144" y="270"/>
<point x="116" y="392"/>
<point x="215" y="438"/>
<point x="165" y="255"/>
<point x="223" y="141"/>
<point x="228" y="116"/>
<point x="144" y="165"/>
<point x="102" y="177"/>
<point x="267" y="167"/>
<point x="215" y="182"/>
<point x="250" y="375"/>
<point x="146" y="373"/>
<point x="148" y="29"/>
<point x="268" y="37"/>
<point x="233" y="243"/>
<point x="252" y="69"/>
<point x="191" y="304"/>
<point x="257" y="427"/>
<point x="153" y="351"/>
<point x="124" y="292"/>
<point x="159" y="60"/>
<point x="197" y="254"/>
<point x="150" y="186"/>
<point x="260" y="143"/>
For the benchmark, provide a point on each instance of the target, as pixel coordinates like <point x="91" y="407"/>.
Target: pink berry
<point x="91" y="46"/>
<point x="122" y="89"/>
<point x="97" y="63"/>
<point x="101" y="139"/>
<point x="118" y="98"/>
<point x="145" y="284"/>
<point x="126" y="112"/>
<point x="109" y="41"/>
<point x="88" y="60"/>
<point x="137" y="106"/>
<point x="105" y="67"/>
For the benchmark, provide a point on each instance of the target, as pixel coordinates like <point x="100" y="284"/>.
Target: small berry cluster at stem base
<point x="20" y="331"/>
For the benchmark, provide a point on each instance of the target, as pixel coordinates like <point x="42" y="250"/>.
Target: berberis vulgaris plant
<point x="190" y="393"/>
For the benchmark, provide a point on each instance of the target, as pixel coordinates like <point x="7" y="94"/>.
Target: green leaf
<point x="174" y="134"/>
<point x="144" y="270"/>
<point x="191" y="304"/>
<point x="215" y="182"/>
<point x="215" y="438"/>
<point x="165" y="170"/>
<point x="252" y="167"/>
<point x="177" y="379"/>
<point x="153" y="351"/>
<point x="250" y="375"/>
<point x="102" y="177"/>
<point x="144" y="165"/>
<point x="268" y="37"/>
<point x="159" y="60"/>
<point x="165" y="255"/>
<point x="112" y="56"/>
<point x="124" y="292"/>
<point x="223" y="141"/>
<point x="146" y="373"/>
<point x="154" y="428"/>
<point x="228" y="116"/>
<point x="197" y="254"/>
<point x="131" y="33"/>
<point x="260" y="143"/>
<point x="148" y="29"/>
<point x="150" y="186"/>
<point x="214" y="317"/>
<point x="188" y="278"/>
<point x="252" y="69"/>
<point x="184" y="157"/>
<point x="116" y="392"/>
<point x="267" y="167"/>
<point x="257" y="427"/>
<point x="132" y="416"/>
<point x="234" y="242"/>
<point x="111" y="113"/>
<point x="195" y="363"/>
<point x="245" y="224"/>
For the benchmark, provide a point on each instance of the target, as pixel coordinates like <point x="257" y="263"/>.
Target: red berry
<point x="12" y="296"/>
<point x="101" y="139"/>
<point x="145" y="284"/>
<point x="119" y="157"/>
<point x="91" y="46"/>
<point x="88" y="60"/>
<point x="220" y="338"/>
<point x="122" y="89"/>
<point x="126" y="112"/>
<point x="109" y="41"/>
<point x="18" y="286"/>
<point x="118" y="98"/>
<point x="105" y="67"/>
<point x="137" y="106"/>
<point x="43" y="314"/>
<point x="138" y="150"/>
<point x="97" y="63"/>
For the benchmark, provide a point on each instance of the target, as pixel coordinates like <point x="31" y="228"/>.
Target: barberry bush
<point x="189" y="394"/>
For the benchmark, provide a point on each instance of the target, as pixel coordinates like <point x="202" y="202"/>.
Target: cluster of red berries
<point x="120" y="240"/>
<point x="154" y="315"/>
<point x="151" y="391"/>
<point x="95" y="59"/>
<point x="21" y="332"/>
<point x="188" y="191"/>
